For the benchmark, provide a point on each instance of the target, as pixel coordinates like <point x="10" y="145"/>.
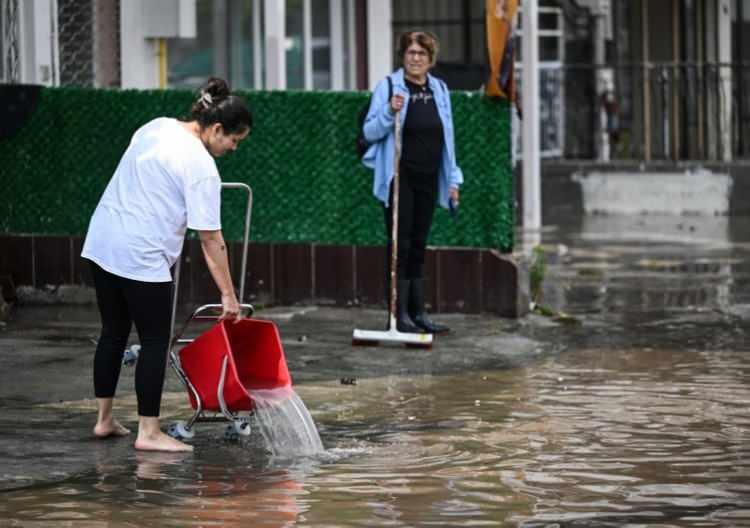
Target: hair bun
<point x="217" y="88"/>
<point x="216" y="104"/>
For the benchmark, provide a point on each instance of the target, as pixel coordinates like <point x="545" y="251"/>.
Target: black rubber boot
<point x="403" y="322"/>
<point x="416" y="309"/>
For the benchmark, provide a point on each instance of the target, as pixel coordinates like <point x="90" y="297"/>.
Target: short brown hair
<point x="424" y="38"/>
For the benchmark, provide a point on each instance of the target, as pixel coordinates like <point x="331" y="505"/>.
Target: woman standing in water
<point x="428" y="170"/>
<point x="167" y="181"/>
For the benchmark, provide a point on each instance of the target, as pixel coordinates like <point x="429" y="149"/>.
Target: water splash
<point x="285" y="423"/>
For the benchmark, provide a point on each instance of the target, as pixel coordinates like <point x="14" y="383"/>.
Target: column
<point x="379" y="41"/>
<point x="724" y="44"/>
<point x="139" y="62"/>
<point x="275" y="26"/>
<point x="337" y="44"/>
<point x="532" y="196"/>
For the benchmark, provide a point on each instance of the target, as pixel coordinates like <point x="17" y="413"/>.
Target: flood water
<point x="639" y="415"/>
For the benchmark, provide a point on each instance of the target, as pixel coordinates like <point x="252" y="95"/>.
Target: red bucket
<point x="255" y="361"/>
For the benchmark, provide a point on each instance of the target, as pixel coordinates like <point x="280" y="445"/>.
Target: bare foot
<point x="160" y="442"/>
<point x="109" y="428"/>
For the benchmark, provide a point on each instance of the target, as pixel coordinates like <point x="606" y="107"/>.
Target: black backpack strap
<point x="390" y="88"/>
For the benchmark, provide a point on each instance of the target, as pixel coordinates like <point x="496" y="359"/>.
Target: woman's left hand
<point x="230" y="308"/>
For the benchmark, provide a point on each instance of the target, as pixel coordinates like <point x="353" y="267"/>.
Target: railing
<point x="656" y="111"/>
<point x="84" y="39"/>
<point x="9" y="45"/>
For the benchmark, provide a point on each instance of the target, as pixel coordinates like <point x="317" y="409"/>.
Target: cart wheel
<point x="230" y="433"/>
<point x="363" y="343"/>
<point x="423" y="346"/>
<point x="130" y="356"/>
<point x="178" y="431"/>
<point x="242" y="427"/>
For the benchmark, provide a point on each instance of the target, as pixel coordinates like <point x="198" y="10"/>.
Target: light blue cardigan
<point x="378" y="130"/>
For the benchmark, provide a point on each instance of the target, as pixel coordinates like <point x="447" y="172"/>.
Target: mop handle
<point x="394" y="213"/>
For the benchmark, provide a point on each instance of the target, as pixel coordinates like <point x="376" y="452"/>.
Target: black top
<point x="422" y="147"/>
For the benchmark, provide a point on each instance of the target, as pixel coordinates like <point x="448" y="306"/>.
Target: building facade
<point x="619" y="79"/>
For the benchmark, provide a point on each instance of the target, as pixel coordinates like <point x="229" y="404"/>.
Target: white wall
<point x="139" y="62"/>
<point x="699" y="192"/>
<point x="142" y="23"/>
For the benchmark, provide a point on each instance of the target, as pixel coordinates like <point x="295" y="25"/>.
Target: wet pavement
<point x="635" y="414"/>
<point x="46" y="360"/>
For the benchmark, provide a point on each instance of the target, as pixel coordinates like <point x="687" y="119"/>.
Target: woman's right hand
<point x="230" y="308"/>
<point x="397" y="103"/>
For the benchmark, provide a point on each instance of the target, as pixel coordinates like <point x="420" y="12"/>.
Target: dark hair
<point x="216" y="104"/>
<point x="425" y="39"/>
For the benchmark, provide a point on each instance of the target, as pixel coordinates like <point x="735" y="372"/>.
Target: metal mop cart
<point x="222" y="365"/>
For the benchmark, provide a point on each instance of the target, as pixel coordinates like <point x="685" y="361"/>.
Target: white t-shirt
<point x="165" y="182"/>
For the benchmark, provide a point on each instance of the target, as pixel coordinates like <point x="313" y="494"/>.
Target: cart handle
<point x="246" y="231"/>
<point x="196" y="316"/>
<point x="243" y="268"/>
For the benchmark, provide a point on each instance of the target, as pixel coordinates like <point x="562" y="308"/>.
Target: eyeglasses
<point x="417" y="54"/>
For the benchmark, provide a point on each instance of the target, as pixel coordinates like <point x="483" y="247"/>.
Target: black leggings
<point x="416" y="206"/>
<point x="123" y="302"/>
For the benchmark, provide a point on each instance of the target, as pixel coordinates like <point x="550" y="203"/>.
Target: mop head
<point x="392" y="335"/>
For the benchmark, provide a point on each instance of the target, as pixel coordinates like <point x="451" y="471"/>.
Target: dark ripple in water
<point x="639" y="436"/>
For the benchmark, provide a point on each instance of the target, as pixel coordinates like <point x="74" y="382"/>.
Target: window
<point x="321" y="44"/>
<point x="459" y="27"/>
<point x="551" y="81"/>
<point x="228" y="45"/>
<point x="295" y="44"/>
<point x="308" y="32"/>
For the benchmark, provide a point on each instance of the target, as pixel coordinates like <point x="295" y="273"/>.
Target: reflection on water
<point x="638" y="417"/>
<point x="641" y="436"/>
<point x="635" y="264"/>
